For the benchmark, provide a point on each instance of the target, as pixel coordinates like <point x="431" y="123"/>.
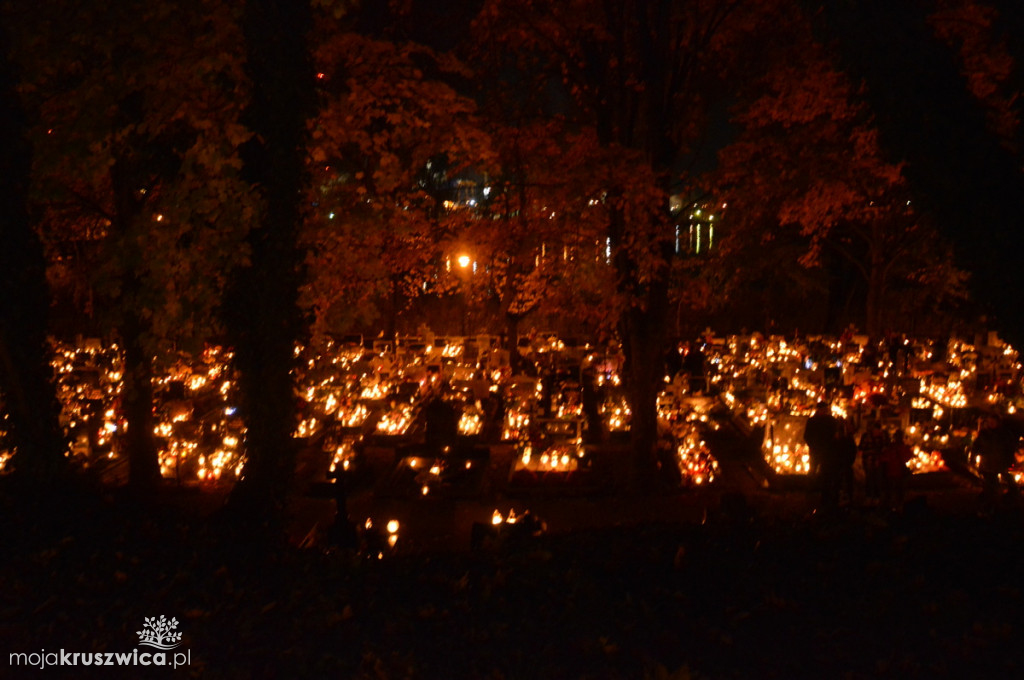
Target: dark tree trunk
<point x="137" y="398"/>
<point x="512" y="319"/>
<point x="26" y="378"/>
<point x="137" y="406"/>
<point x="876" y="293"/>
<point x="261" y="308"/>
<point x="642" y="332"/>
<point x="645" y="121"/>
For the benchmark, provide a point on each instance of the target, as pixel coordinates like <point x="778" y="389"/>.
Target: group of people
<point x="833" y="450"/>
<point x="994" y="451"/>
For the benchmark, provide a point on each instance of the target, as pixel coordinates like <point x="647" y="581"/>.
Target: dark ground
<point x="737" y="581"/>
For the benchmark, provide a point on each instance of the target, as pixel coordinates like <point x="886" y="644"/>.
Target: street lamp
<point x="465" y="262"/>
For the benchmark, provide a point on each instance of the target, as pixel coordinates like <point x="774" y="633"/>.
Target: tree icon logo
<point x="159" y="633"/>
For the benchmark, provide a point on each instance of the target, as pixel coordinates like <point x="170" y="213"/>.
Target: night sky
<point x="970" y="183"/>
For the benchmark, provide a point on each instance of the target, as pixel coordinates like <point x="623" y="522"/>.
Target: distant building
<point x="696" y="225"/>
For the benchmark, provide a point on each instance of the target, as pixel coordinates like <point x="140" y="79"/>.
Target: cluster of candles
<point x="194" y="444"/>
<point x="471" y="421"/>
<point x="766" y="382"/>
<point x="682" y="420"/>
<point x="784" y="448"/>
<point x="617" y="414"/>
<point x="519" y="406"/>
<point x="561" y="457"/>
<point x="696" y="464"/>
<point x="773" y="384"/>
<point x="88" y="381"/>
<point x="5" y="453"/>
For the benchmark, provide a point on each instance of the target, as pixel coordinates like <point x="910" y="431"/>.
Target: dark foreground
<point x="926" y="594"/>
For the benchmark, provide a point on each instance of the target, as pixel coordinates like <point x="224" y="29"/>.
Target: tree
<point x="844" y="200"/>
<point x="536" y="245"/>
<point x="933" y="115"/>
<point x="261" y="305"/>
<point x="388" y="122"/>
<point x="970" y="28"/>
<point x="136" y="142"/>
<point x="641" y="78"/>
<point x="26" y="387"/>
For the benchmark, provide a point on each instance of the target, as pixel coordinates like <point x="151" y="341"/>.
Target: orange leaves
<point x="388" y="117"/>
<point x="798" y="94"/>
<point x="386" y="113"/>
<point x="809" y="155"/>
<point x="967" y="27"/>
<point x="148" y="124"/>
<point x="820" y="207"/>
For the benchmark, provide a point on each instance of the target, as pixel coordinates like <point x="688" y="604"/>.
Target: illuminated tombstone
<point x="351" y="414"/>
<point x="471" y="421"/>
<point x="343" y="456"/>
<point x="697" y="466"/>
<point x="556" y="457"/>
<point x="616" y="414"/>
<point x="783" y="445"/>
<point x="396" y="421"/>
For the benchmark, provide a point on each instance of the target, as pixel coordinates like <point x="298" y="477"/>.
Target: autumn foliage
<point x="187" y="182"/>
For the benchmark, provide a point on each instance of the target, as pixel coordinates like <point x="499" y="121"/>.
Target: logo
<point x="156" y="632"/>
<point x="159" y="633"/>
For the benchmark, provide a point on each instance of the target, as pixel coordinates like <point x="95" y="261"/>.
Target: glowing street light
<point x="464" y="261"/>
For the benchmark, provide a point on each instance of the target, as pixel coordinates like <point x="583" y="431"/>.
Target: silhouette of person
<point x="343" y="532"/>
<point x="695" y="368"/>
<point x="994" y="448"/>
<point x="872" y="445"/>
<point x="442" y="425"/>
<point x="846" y="456"/>
<point x="820" y="436"/>
<point x="894" y="459"/>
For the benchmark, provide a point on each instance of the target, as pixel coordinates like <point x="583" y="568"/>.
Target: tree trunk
<point x="643" y="333"/>
<point x="26" y="378"/>
<point x="262" y="305"/>
<point x="137" y="406"/>
<point x="137" y="398"/>
<point x="876" y="293"/>
<point x="512" y="319"/>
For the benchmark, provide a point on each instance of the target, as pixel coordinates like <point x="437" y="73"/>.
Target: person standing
<point x="894" y="459"/>
<point x="994" y="449"/>
<point x="695" y="367"/>
<point x="442" y="425"/>
<point x="872" y="445"/>
<point x="820" y="435"/>
<point x="846" y="456"/>
<point x="343" y="532"/>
